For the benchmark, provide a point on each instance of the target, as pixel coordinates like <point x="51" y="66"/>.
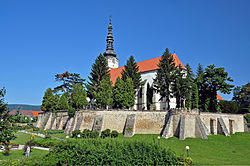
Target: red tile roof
<point x="35" y="113"/>
<point x="25" y="112"/>
<point x="147" y="65"/>
<point x="219" y="97"/>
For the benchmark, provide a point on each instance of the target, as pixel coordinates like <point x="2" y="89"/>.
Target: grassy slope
<point x="22" y="138"/>
<point x="218" y="149"/>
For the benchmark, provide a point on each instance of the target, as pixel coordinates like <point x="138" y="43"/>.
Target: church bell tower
<point x="110" y="54"/>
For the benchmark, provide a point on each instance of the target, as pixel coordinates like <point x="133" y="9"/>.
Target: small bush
<point x="105" y="133"/>
<point x="94" y="134"/>
<point x="86" y="133"/>
<point x="75" y="133"/>
<point x="114" y="134"/>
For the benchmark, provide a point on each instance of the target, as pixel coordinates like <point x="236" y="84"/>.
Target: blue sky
<point x="41" y="38"/>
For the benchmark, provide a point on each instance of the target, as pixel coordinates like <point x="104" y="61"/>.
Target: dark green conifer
<point x="99" y="71"/>
<point x="131" y="70"/>
<point x="165" y="76"/>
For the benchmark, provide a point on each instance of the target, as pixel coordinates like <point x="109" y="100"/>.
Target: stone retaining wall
<point x="145" y="122"/>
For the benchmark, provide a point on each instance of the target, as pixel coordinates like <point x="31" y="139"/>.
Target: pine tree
<point x="50" y="101"/>
<point x="131" y="70"/>
<point x="188" y="89"/>
<point x="178" y="86"/>
<point x="99" y="71"/>
<point x="68" y="80"/>
<point x="63" y="103"/>
<point x="200" y="82"/>
<point x="195" y="96"/>
<point x="165" y="76"/>
<point x="216" y="80"/>
<point x="6" y="133"/>
<point x="104" y="94"/>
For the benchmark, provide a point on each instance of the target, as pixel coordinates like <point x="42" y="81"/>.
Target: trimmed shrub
<point x="94" y="134"/>
<point x="86" y="133"/>
<point x="75" y="133"/>
<point x="106" y="152"/>
<point x="114" y="134"/>
<point x="105" y="133"/>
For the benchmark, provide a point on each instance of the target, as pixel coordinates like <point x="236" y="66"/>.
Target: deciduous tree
<point x="50" y="101"/>
<point x="104" y="94"/>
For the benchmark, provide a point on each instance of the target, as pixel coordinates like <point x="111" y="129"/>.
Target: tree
<point x="150" y="93"/>
<point x="99" y="72"/>
<point x="78" y="98"/>
<point x="123" y="93"/>
<point x="104" y="94"/>
<point x="50" y="101"/>
<point x="195" y="96"/>
<point x="63" y="103"/>
<point x="188" y="86"/>
<point x="131" y="70"/>
<point x="199" y="80"/>
<point x="165" y="76"/>
<point x="178" y="87"/>
<point x="6" y="134"/>
<point x="215" y="79"/>
<point x="228" y="106"/>
<point x="242" y="97"/>
<point x="68" y="80"/>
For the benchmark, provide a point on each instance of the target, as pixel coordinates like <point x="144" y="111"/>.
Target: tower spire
<point x="110" y="39"/>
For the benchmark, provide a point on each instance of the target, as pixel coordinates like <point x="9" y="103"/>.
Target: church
<point x="148" y="70"/>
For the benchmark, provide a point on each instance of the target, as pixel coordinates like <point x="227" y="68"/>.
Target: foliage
<point x="165" y="76"/>
<point x="131" y="70"/>
<point x="247" y="117"/>
<point x="209" y="82"/>
<point x="6" y="133"/>
<point x="68" y="81"/>
<point x="71" y="111"/>
<point x="189" y="83"/>
<point x="123" y="93"/>
<point x="21" y="119"/>
<point x="78" y="98"/>
<point x="104" y="94"/>
<point x="150" y="93"/>
<point x="86" y="133"/>
<point x="105" y="133"/>
<point x="242" y="97"/>
<point x="50" y="101"/>
<point x="75" y="133"/>
<point x="63" y="103"/>
<point x="180" y="87"/>
<point x="228" y="106"/>
<point x="45" y="142"/>
<point x="216" y="80"/>
<point x="114" y="134"/>
<point x="99" y="71"/>
<point x="195" y="96"/>
<point x="98" y="152"/>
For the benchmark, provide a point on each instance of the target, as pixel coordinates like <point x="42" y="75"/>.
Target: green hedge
<point x="109" y="152"/>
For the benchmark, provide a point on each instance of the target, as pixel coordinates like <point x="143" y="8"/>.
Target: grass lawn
<point x="19" y="154"/>
<point x="217" y="150"/>
<point x="22" y="138"/>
